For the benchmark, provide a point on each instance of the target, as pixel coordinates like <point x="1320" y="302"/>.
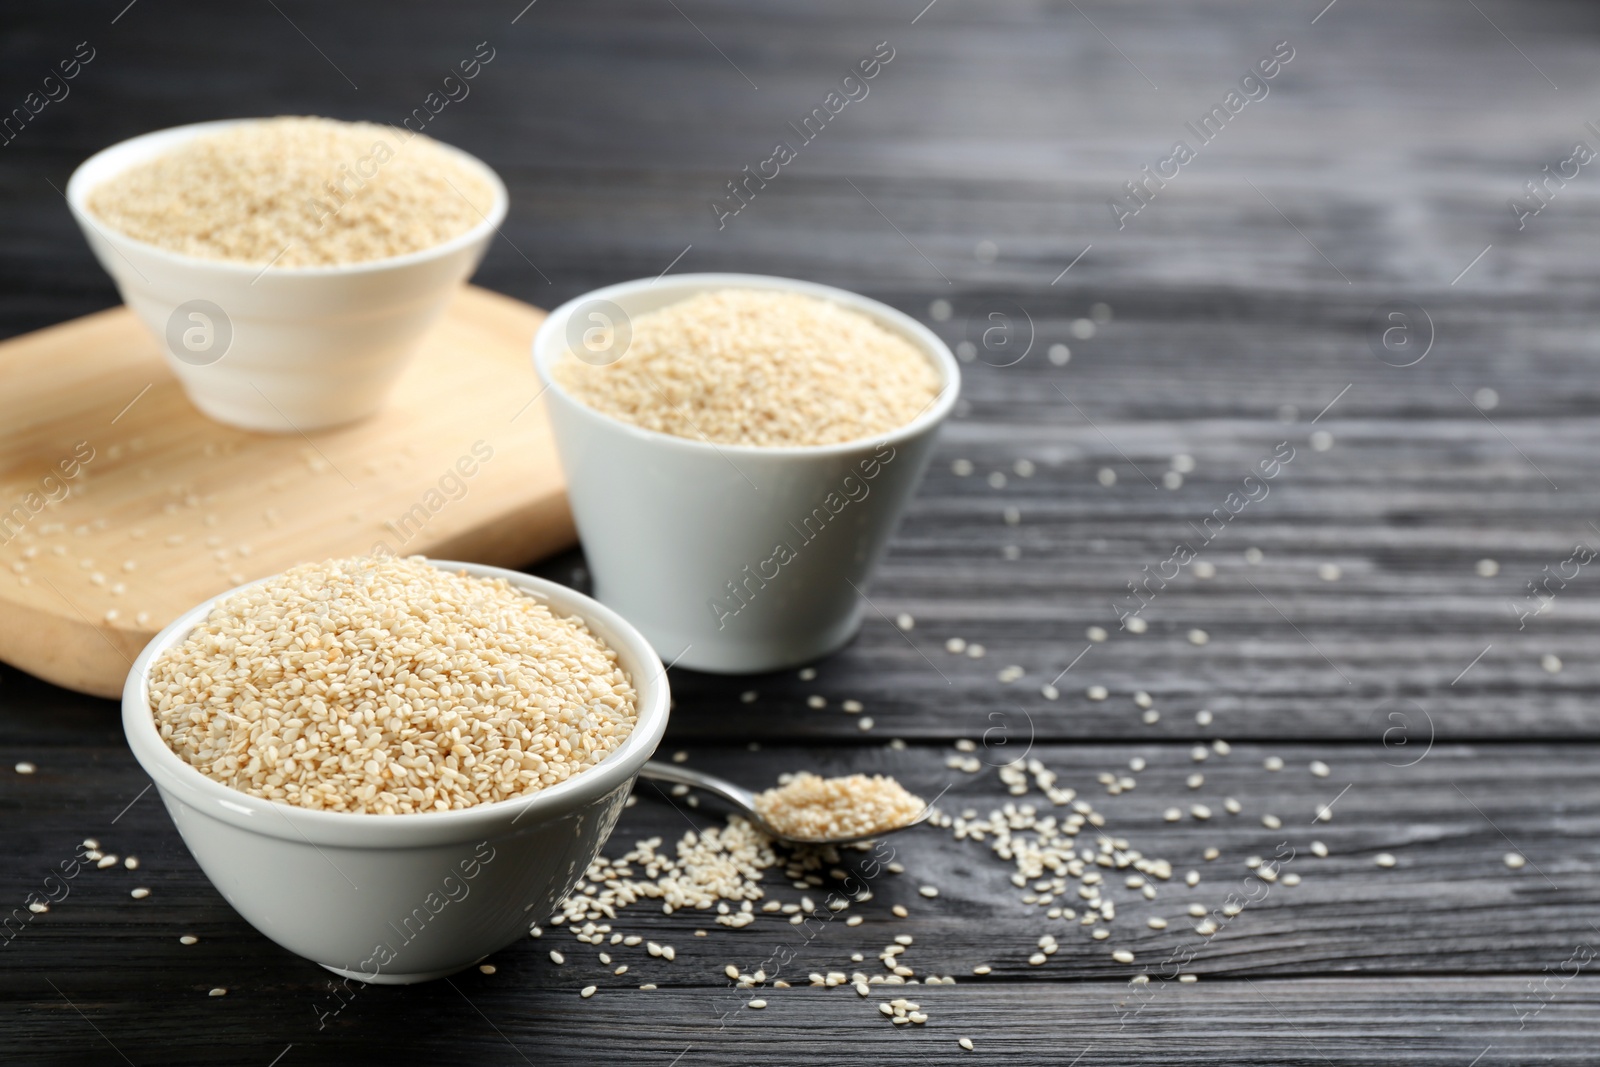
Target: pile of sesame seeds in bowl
<point x="758" y="368"/>
<point x="389" y="686"/>
<point x="296" y="192"/>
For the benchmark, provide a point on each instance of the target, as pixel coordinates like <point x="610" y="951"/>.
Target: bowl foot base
<point x="384" y="978"/>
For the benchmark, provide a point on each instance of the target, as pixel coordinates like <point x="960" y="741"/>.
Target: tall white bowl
<point x="395" y="899"/>
<point x="281" y="349"/>
<point x="731" y="558"/>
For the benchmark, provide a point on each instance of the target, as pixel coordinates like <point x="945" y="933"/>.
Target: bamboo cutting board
<point x="121" y="506"/>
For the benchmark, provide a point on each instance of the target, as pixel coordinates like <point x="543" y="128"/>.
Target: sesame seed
<point x="816" y="702"/>
<point x="928" y="891"/>
<point x="854" y="707"/>
<point x="1551" y="663"/>
<point x="1200" y="811"/>
<point x="757" y="1004"/>
<point x="188" y="939"/>
<point x="865" y="723"/>
<point x="1197" y="911"/>
<point x="904" y="621"/>
<point x="1291" y="879"/>
<point x="1486" y="568"/>
<point x="1096" y="692"/>
<point x="748" y="696"/>
<point x="1319" y="849"/>
<point x="38" y="907"/>
<point x="1205" y="570"/>
<point x="1515" y="860"/>
<point x="648" y="985"/>
<point x="1271" y="822"/>
<point x="139" y="894"/>
<point x="218" y="992"/>
<point x="106" y="861"/>
<point x="1231" y="805"/>
<point x="854" y="920"/>
<point x="132" y="863"/>
<point x="1037" y="959"/>
<point x="1151" y="717"/>
<point x="25" y="768"/>
<point x="1328" y="572"/>
<point x="1211" y="854"/>
<point x="1172" y="814"/>
<point x="1195" y="781"/>
<point x="900" y="911"/>
<point x="965" y="1042"/>
<point x="1188" y="978"/>
<point x="1320" y="769"/>
<point x="1106" y="477"/>
<point x="1136" y="625"/>
<point x="557" y="958"/>
<point x="1203" y="717"/>
<point x="1273" y="763"/>
<point x="588" y="991"/>
<point x="1142" y="699"/>
<point x="1384" y="859"/>
<point x="1324" y="813"/>
<point x="1122" y="955"/>
<point x="1199" y="753"/>
<point x="1156" y="922"/>
<point x="486" y="968"/>
<point x="1198" y="637"/>
<point x="1096" y="633"/>
<point x="982" y="968"/>
<point x="976" y="651"/>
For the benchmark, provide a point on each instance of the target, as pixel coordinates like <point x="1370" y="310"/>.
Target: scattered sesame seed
<point x="1273" y="763"/>
<point x="816" y="702"/>
<point x="961" y="468"/>
<point x="1321" y="441"/>
<point x="1291" y="878"/>
<point x="486" y="968"/>
<point x="1106" y="477"/>
<point x="1550" y="662"/>
<point x="1205" y="570"/>
<point x="1253" y="555"/>
<point x="865" y="723"/>
<point x="904" y="621"/>
<point x="956" y="645"/>
<point x="748" y="696"/>
<point x="757" y="1004"/>
<point x="188" y="939"/>
<point x="1271" y="822"/>
<point x="1136" y="764"/>
<point x="1203" y="717"/>
<point x="1195" y="781"/>
<point x="1122" y="955"/>
<point x="38" y="907"/>
<point x="557" y="958"/>
<point x="218" y="992"/>
<point x="1151" y="717"/>
<point x="1324" y="813"/>
<point x="1231" y="805"/>
<point x="587" y="991"/>
<point x="807" y="673"/>
<point x="1142" y="699"/>
<point x="1096" y="634"/>
<point x="1156" y="922"/>
<point x="854" y="920"/>
<point x="966" y="1042"/>
<point x="1221" y="747"/>
<point x="1320" y="769"/>
<point x="853" y="707"/>
<point x="900" y="911"/>
<point x="1384" y="859"/>
<point x="25" y="768"/>
<point x="109" y="860"/>
<point x="928" y="891"/>
<point x="976" y="651"/>
<point x="1188" y="978"/>
<point x="1049" y="692"/>
<point x="1172" y="814"/>
<point x="1487" y="568"/>
<point x="1319" y="849"/>
<point x="1137" y="625"/>
<point x="1515" y="860"/>
<point x="1199" y="753"/>
<point x="1210" y="854"/>
<point x="1198" y="637"/>
<point x="1096" y="692"/>
<point x="1328" y="572"/>
<point x="132" y="863"/>
<point x="140" y="893"/>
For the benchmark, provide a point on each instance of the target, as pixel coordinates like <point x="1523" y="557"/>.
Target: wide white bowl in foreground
<point x="395" y="899"/>
<point x="278" y="349"/>
<point x="731" y="558"/>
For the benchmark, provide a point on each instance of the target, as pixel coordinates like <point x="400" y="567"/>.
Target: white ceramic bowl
<point x="395" y="899"/>
<point x="284" y="349"/>
<point x="729" y="558"/>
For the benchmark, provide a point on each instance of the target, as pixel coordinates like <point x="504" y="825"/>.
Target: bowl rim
<point x="179" y="781"/>
<point x="546" y="351"/>
<point x="78" y="190"/>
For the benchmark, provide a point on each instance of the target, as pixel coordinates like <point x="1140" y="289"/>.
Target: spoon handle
<point x="742" y="799"/>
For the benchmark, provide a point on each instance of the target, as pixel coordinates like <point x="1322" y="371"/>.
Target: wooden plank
<point x="125" y="506"/>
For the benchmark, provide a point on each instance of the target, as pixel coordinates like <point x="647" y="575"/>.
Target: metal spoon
<point x="745" y="801"/>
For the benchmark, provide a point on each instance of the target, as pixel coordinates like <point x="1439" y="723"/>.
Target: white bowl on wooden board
<point x="278" y="349"/>
<point x="397" y="899"/>
<point x="667" y="523"/>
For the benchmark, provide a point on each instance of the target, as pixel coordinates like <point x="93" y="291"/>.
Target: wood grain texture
<point x="1246" y="298"/>
<point x="125" y="506"/>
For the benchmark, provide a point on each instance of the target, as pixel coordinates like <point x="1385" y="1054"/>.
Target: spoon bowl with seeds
<point x="807" y="809"/>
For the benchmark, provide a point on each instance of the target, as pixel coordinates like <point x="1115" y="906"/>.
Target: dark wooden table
<point x="1250" y="302"/>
